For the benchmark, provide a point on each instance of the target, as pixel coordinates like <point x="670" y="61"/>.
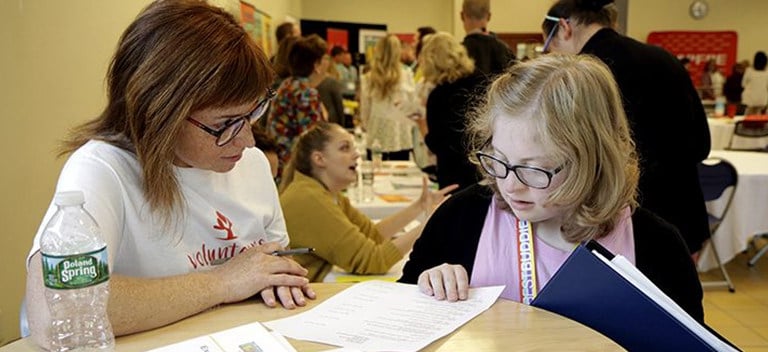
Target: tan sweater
<point x="340" y="234"/>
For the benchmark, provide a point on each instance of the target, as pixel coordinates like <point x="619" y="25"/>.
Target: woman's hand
<point x="290" y="296"/>
<point x="430" y="200"/>
<point x="445" y="281"/>
<point x="256" y="269"/>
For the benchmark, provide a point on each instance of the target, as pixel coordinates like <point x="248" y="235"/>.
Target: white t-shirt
<point x="755" y="85"/>
<point x="223" y="213"/>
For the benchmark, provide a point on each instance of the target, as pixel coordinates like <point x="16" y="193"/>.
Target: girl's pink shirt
<point x="497" y="261"/>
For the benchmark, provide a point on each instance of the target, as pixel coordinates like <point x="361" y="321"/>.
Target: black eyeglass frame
<point x="514" y="168"/>
<point x="238" y="122"/>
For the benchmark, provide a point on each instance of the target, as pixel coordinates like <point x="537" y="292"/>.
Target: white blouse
<point x="388" y="120"/>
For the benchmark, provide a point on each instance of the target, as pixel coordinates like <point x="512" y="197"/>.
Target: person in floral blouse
<point x="296" y="106"/>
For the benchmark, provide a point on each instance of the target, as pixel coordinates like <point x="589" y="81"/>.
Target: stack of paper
<point x="245" y="338"/>
<point x="384" y="316"/>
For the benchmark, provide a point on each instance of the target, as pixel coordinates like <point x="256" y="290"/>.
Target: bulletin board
<point x="367" y="39"/>
<point x="349" y="32"/>
<point x="258" y="24"/>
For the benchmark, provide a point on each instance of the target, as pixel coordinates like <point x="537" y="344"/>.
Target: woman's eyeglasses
<point x="233" y="126"/>
<point x="530" y="176"/>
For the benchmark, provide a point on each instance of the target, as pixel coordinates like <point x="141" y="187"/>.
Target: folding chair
<point x="761" y="252"/>
<point x="716" y="176"/>
<point x="750" y="135"/>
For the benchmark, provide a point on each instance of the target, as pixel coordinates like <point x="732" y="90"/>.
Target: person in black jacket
<point x="445" y="64"/>
<point x="560" y="168"/>
<point x="665" y="114"/>
<point x="491" y="55"/>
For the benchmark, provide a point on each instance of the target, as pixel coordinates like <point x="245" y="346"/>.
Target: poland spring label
<point x="76" y="271"/>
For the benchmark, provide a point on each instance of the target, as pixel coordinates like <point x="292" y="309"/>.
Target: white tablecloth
<point x="721" y="134"/>
<point x="720" y="131"/>
<point x="749" y="211"/>
<point x="396" y="185"/>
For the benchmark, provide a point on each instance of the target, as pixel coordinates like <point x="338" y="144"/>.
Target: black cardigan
<point x="669" y="127"/>
<point x="447" y="108"/>
<point x="452" y="234"/>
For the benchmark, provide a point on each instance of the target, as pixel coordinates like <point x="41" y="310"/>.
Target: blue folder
<point x="587" y="290"/>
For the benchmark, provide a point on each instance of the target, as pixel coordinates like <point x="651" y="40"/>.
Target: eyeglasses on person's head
<point x="233" y="126"/>
<point x="552" y="31"/>
<point x="530" y="176"/>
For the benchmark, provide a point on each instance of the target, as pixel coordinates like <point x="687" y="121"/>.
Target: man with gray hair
<point x="491" y="55"/>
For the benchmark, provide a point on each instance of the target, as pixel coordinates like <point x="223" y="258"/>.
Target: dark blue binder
<point x="587" y="290"/>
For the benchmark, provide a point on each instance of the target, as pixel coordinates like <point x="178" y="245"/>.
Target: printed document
<point x="384" y="316"/>
<point x="251" y="337"/>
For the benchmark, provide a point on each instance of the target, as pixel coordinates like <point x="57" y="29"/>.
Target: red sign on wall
<point x="699" y="47"/>
<point x="337" y="37"/>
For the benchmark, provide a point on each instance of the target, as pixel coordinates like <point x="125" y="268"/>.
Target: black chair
<point x="750" y="136"/>
<point x="716" y="176"/>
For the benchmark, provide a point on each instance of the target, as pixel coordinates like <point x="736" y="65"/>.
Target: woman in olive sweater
<point x="318" y="215"/>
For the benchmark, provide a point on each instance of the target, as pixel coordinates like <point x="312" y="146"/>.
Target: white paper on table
<point x="384" y="316"/>
<point x="245" y="338"/>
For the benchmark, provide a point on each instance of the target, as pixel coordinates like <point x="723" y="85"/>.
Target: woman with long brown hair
<point x="185" y="203"/>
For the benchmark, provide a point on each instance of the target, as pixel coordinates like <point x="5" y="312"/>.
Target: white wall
<point x="401" y="16"/>
<point x="746" y="17"/>
<point x="508" y="16"/>
<point x="53" y="61"/>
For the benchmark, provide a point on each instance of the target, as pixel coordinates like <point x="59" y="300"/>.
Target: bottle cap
<point x="68" y="198"/>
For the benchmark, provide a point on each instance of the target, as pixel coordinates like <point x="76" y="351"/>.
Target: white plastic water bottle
<point x="76" y="277"/>
<point x="720" y="106"/>
<point x="366" y="181"/>
<point x="376" y="154"/>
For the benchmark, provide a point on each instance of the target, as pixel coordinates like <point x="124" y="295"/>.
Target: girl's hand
<point x="445" y="281"/>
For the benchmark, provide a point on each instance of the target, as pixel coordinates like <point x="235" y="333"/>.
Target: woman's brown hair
<point x="177" y="57"/>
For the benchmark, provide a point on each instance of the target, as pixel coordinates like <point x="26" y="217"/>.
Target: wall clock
<point x="698" y="9"/>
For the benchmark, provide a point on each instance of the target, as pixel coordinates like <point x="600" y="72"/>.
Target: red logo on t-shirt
<point x="223" y="223"/>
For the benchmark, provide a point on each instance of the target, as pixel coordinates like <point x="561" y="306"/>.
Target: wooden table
<point x="505" y="326"/>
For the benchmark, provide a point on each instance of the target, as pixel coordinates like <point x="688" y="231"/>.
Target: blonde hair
<point x="386" y="68"/>
<point x="311" y="140"/>
<point x="444" y="60"/>
<point x="576" y="104"/>
<point x="177" y="57"/>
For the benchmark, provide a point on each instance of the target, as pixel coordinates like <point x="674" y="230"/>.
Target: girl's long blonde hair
<point x="177" y="57"/>
<point x="386" y="68"/>
<point x="576" y="104"/>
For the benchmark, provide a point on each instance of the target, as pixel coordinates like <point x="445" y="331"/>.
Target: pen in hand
<point x="293" y="251"/>
<point x="275" y="253"/>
